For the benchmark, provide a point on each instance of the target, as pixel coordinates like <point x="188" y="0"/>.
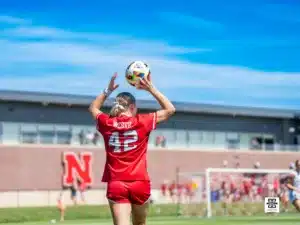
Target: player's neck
<point x="128" y="114"/>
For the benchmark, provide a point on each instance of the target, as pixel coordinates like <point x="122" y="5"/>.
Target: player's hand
<point x="112" y="85"/>
<point x="145" y="84"/>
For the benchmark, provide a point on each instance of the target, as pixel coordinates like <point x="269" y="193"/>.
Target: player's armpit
<point x="101" y="119"/>
<point x="163" y="115"/>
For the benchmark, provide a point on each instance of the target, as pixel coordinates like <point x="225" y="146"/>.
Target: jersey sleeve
<point x="149" y="121"/>
<point x="101" y="121"/>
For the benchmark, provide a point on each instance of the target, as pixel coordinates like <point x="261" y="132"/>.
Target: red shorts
<point x="134" y="192"/>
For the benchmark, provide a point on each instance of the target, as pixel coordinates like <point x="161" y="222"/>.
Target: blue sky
<point x="243" y="53"/>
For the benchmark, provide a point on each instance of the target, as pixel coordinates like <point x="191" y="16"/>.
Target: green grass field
<point x="158" y="215"/>
<point x="280" y="220"/>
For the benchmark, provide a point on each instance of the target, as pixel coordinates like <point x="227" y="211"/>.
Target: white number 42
<point x="128" y="137"/>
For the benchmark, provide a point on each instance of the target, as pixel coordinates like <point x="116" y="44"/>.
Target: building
<point x="52" y="123"/>
<point x="46" y="118"/>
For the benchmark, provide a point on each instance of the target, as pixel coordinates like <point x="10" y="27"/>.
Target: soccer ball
<point x="135" y="71"/>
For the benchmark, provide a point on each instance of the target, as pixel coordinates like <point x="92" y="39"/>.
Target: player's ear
<point x="132" y="107"/>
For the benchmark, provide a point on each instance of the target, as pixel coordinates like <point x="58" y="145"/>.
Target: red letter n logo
<point x="77" y="167"/>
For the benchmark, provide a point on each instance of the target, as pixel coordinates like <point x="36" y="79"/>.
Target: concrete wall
<point x="39" y="167"/>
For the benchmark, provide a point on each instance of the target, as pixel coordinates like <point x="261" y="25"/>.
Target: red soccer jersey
<point x="164" y="188"/>
<point x="126" y="140"/>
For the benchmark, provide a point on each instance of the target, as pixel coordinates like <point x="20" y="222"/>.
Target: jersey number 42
<point x="123" y="141"/>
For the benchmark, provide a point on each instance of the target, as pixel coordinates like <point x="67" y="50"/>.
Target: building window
<point x="63" y="137"/>
<point x="29" y="137"/>
<point x="46" y="137"/>
<point x="233" y="140"/>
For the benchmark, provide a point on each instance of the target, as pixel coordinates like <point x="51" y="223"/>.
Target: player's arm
<point x="289" y="183"/>
<point x="96" y="105"/>
<point x="167" y="108"/>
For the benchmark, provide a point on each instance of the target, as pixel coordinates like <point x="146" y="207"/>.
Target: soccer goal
<point x="234" y="192"/>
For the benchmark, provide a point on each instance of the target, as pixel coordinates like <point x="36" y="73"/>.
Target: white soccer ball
<point x="135" y="71"/>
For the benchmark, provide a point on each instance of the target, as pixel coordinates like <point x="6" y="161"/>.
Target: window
<point x="195" y="138"/>
<point x="181" y="138"/>
<point x="28" y="133"/>
<point x="63" y="137"/>
<point x="29" y="137"/>
<point x="208" y="138"/>
<point x="46" y="137"/>
<point x="220" y="139"/>
<point x="233" y="140"/>
<point x="46" y="134"/>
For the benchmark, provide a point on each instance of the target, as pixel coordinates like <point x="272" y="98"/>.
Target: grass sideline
<point x="31" y="214"/>
<point x="256" y="220"/>
<point x="102" y="212"/>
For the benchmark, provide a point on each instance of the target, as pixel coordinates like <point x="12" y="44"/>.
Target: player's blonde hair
<point x="122" y="103"/>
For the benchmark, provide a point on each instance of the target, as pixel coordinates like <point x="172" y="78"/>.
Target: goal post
<point x="232" y="191"/>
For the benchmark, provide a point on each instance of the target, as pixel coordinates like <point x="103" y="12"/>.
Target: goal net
<point x="233" y="192"/>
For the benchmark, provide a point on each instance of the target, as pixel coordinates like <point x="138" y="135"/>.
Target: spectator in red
<point x="276" y="186"/>
<point x="157" y="141"/>
<point x="164" y="188"/>
<point x="172" y="191"/>
<point x="247" y="186"/>
<point x="160" y="141"/>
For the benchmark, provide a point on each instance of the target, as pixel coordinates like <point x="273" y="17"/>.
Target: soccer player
<point x="126" y="135"/>
<point x="172" y="191"/>
<point x="82" y="187"/>
<point x="61" y="206"/>
<point x="294" y="185"/>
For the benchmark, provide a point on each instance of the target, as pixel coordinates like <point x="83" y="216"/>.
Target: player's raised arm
<point x="167" y="108"/>
<point x="97" y="104"/>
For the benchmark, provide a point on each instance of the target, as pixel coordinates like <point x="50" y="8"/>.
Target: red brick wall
<point x="39" y="167"/>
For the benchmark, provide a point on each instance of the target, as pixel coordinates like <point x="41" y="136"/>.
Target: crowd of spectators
<point x="234" y="187"/>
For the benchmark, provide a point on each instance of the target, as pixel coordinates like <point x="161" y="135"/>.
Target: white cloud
<point x="28" y="32"/>
<point x="108" y="53"/>
<point x="114" y="42"/>
<point x="13" y="20"/>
